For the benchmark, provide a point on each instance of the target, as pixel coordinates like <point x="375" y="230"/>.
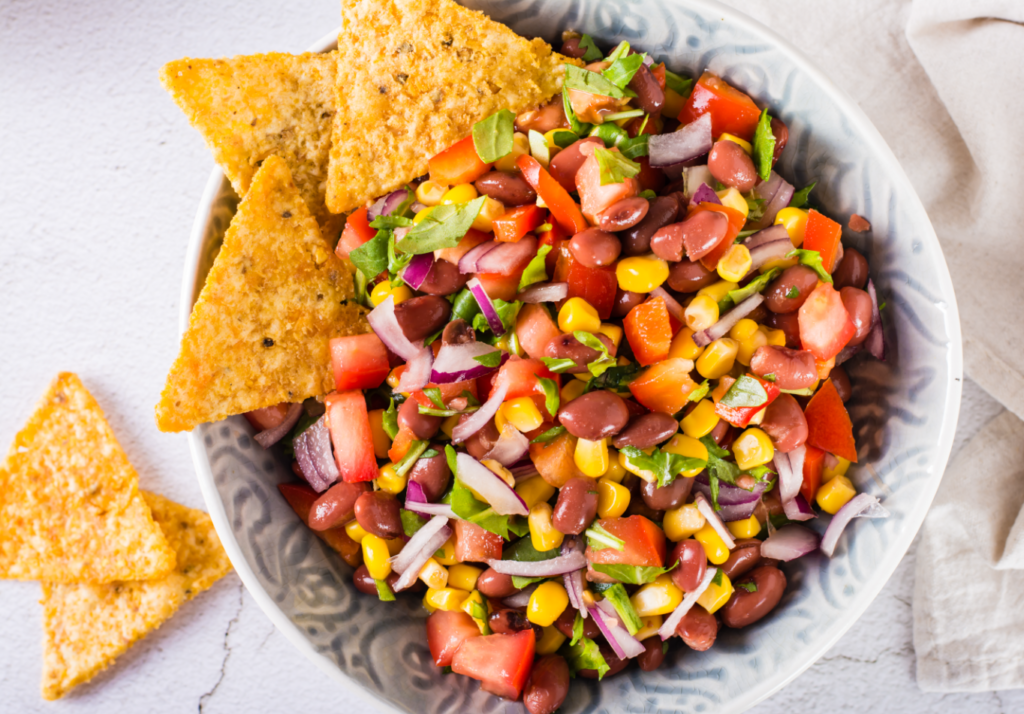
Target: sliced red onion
<point x="574" y="583"/>
<point x="715" y="521"/>
<point x="789" y="543"/>
<point x="506" y="258"/>
<point x="468" y="262"/>
<point x="767" y="235"/>
<point x="418" y="269"/>
<point x="501" y="497"/>
<point x="544" y="292"/>
<point x="726" y="322"/>
<point x="385" y="206"/>
<point x="766" y="190"/>
<point x="521" y="598"/>
<point x="269" y="437"/>
<point x="767" y="252"/>
<point x="431" y="509"/>
<point x="607" y="620"/>
<point x="735" y="503"/>
<point x="307" y="466"/>
<point x="705" y="194"/>
<point x="798" y="509"/>
<point x="524" y="472"/>
<point x="687" y="143"/>
<point x="648" y="61"/>
<point x="481" y="416"/>
<point x="315" y="457"/>
<point x="486" y="306"/>
<point x="417" y="371"/>
<point x="384" y="323"/>
<point x="781" y="198"/>
<point x="848" y="352"/>
<point x="559" y="565"/>
<point x="695" y="176"/>
<point x="668" y="627"/>
<point x="510" y="446"/>
<point x="863" y="505"/>
<point x="791" y="472"/>
<point x="875" y="343"/>
<point x="419" y="549"/>
<point x="455" y="363"/>
<point x="674" y="308"/>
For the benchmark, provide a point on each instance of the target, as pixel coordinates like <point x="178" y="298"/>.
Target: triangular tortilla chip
<point x="274" y="298"/>
<point x="413" y="77"/>
<point x="70" y="508"/>
<point x="248" y="108"/>
<point x="86" y="627"/>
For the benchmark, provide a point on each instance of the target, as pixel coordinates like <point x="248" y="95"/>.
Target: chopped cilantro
<point x="749" y="587"/>
<point x="662" y="465"/>
<point x="616" y="378"/>
<point x="591" y="52"/>
<point x="549" y="435"/>
<point x="613" y="167"/>
<point x="604" y="362"/>
<point x="793" y="292"/>
<point x="799" y="199"/>
<point x="754" y="286"/>
<point x="764" y="146"/>
<point x="599" y="539"/>
<point x="390" y="420"/>
<point x="536" y="270"/>
<point x="443" y="228"/>
<point x="585" y="654"/>
<point x="492" y="137"/>
<point x="434" y="395"/>
<point x="812" y="259"/>
<point x="558" y="364"/>
<point x="577" y="628"/>
<point x="620" y="72"/>
<point x="745" y="392"/>
<point x="551" y="397"/>
<point x="411" y="521"/>
<point x="384" y="591"/>
<point x="489" y="359"/>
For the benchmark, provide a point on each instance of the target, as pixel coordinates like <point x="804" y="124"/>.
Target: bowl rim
<point x="894" y="554"/>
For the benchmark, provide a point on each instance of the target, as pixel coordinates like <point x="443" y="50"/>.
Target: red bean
<point x="482" y="441"/>
<point x="789" y="323"/>
<point x="576" y="506"/>
<point x="645" y="431"/>
<point x="626" y="301"/>
<point x="444" y="279"/>
<point x="422" y="316"/>
<point x="336" y="505"/>
<point x="567" y="162"/>
<point x="790" y="290"/>
<point x="781" y="133"/>
<point x="567" y="619"/>
<point x="661" y="212"/>
<point x="432" y="474"/>
<point x="730" y="165"/>
<point x="785" y="423"/>
<point x="793" y="369"/>
<point x="495" y="585"/>
<point x="841" y="381"/>
<point x="547" y="686"/>
<point x="723" y="434"/>
<point x="595" y="248"/>
<point x="422" y="426"/>
<point x="568" y="347"/>
<point x="649" y="94"/>
<point x="688" y="276"/>
<point x="510" y="190"/>
<point x="664" y="498"/>
<point x="698" y="235"/>
<point x="623" y="214"/>
<point x="744" y="607"/>
<point x="508" y="621"/>
<point x="457" y="332"/>
<point x="615" y="665"/>
<point x="693" y="564"/>
<point x="858" y="305"/>
<point x="379" y="513"/>
<point x="365" y="584"/>
<point x="571" y="48"/>
<point x="652" y="656"/>
<point x="594" y="415"/>
<point x="852" y="271"/>
<point x="543" y="119"/>
<point x="698" y="629"/>
<point x="742" y="558"/>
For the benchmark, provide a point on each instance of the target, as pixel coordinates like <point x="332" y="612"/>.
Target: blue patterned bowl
<point x="904" y="410"/>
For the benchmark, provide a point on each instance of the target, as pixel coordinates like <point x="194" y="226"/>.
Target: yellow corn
<point x="463" y="576"/>
<point x="520" y="146"/>
<point x="418" y="218"/>
<point x="395" y="545"/>
<point x="701" y="313"/>
<point x="447" y="599"/>
<point x="649" y="627"/>
<point x="548" y="601"/>
<point x="835" y="493"/>
<point x="475" y="603"/>
<point x="685" y="445"/>
<point x="578" y="314"/>
<point x="683" y="345"/>
<point x="382" y="289"/>
<point x="716" y="596"/>
<point x="433" y="574"/>
<point x="749" y="346"/>
<point x="612" y="332"/>
<point x="376" y="556"/>
<point x="840" y="469"/>
<point x="718" y="291"/>
<point x="673" y="103"/>
<point x="718" y="358"/>
<point x="615" y="472"/>
<point x="747" y="528"/>
<point x="394" y="376"/>
<point x="733" y="199"/>
<point x="427" y="606"/>
<point x="499" y="470"/>
<point x="572" y="389"/>
<point x="753" y="448"/>
<point x="719" y="391"/>
<point x="777" y="338"/>
<point x="463" y="193"/>
<point x="550" y="640"/>
<point x="658" y="598"/>
<point x="745" y="145"/>
<point x="381" y="440"/>
<point x="491" y="209"/>
<point x="743" y="329"/>
<point x="715" y="548"/>
<point x="794" y="220"/>
<point x="449" y="424"/>
<point x="543" y="534"/>
<point x="701" y="420"/>
<point x="636" y="470"/>
<point x="447" y="553"/>
<point x="355" y="531"/>
<point x="642" y="273"/>
<point x="522" y="413"/>
<point x="612" y="499"/>
<point x="389" y="481"/>
<point x="430" y="193"/>
<point x="535" y="490"/>
<point x="681" y="523"/>
<point x="735" y="263"/>
<point x="591" y="457"/>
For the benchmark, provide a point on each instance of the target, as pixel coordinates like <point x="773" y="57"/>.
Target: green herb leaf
<point x="536" y="270"/>
<point x="372" y="256"/>
<point x="390" y="222"/>
<point x="680" y="85"/>
<point x="635" y="147"/>
<point x="585" y="654"/>
<point x="592" y="83"/>
<point x="411" y="457"/>
<point x="577" y="628"/>
<point x="619" y="116"/>
<point x="749" y="587"/>
<point x="793" y="292"/>
<point x="755" y="209"/>
<point x="661" y="465"/>
<point x="443" y="228"/>
<point x="602" y="363"/>
<point x="717" y="580"/>
<point x="756" y="285"/>
<point x="411" y="521"/>
<point x="384" y="591"/>
<point x="563" y="138"/>
<point x="799" y="199"/>
<point x="579" y="128"/>
<point x="812" y="259"/>
<point x="478" y="612"/>
<point x="468" y="508"/>
<point x="450" y="456"/>
<point x="539" y="147"/>
<point x="489" y="359"/>
<point x="434" y="395"/>
<point x="396" y="262"/>
<point x="622" y="69"/>
<point x="591" y="52"/>
<point x="522" y="551"/>
<point x="616" y="378"/>
<point x="745" y="392"/>
<point x="519" y="526"/>
<point x="631" y="574"/>
<point x="492" y="137"/>
<point x="428" y="454"/>
<point x="558" y="365"/>
<point x="611" y="134"/>
<point x="507" y="313"/>
<point x="618" y="51"/>
<point x="718" y="468"/>
<point x="764" y="146"/>
<point x="613" y="167"/>
<point x="390" y="420"/>
<point x="648" y="194"/>
<point x="465" y="306"/>
<point x="617" y="596"/>
<point x="521" y="581"/>
<point x="700" y="392"/>
<point x="551" y="398"/>
<point x="599" y="539"/>
<point x="549" y="435"/>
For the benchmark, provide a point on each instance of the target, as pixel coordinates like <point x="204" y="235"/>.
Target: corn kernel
<point x="835" y="493"/>
<point x="433" y="574"/>
<point x="463" y="576"/>
<point x="535" y="490"/>
<point x="591" y="457"/>
<point x="718" y="358"/>
<point x="401" y="294"/>
<point x="615" y="472"/>
<point x="612" y="332"/>
<point x="499" y="470"/>
<point x="753" y="448"/>
<point x="749" y="346"/>
<point x="430" y="193"/>
<point x="548" y="601"/>
<point x="701" y="420"/>
<point x="572" y="389"/>
<point x="463" y="193"/>
<point x="394" y="376"/>
<point x="839" y="469"/>
<point x="794" y="220"/>
<point x="491" y="209"/>
<point x="683" y="345"/>
<point x="447" y="599"/>
<point x="777" y="338"/>
<point x="449" y="424"/>
<point x="743" y="329"/>
<point x="685" y="445"/>
<point x="718" y="291"/>
<point x="380" y="292"/>
<point x="381" y="440"/>
<point x="447" y="556"/>
<point x="520" y="146"/>
<point x="476" y="605"/>
<point x="716" y="596"/>
<point x="376" y="556"/>
<point x="714" y="547"/>
<point x="522" y="413"/>
<point x="543" y="533"/>
<point x="747" y="528"/>
<point x="745" y="145"/>
<point x="418" y="218"/>
<point x="701" y="313"/>
<point x="649" y="627"/>
<point x="681" y="523"/>
<point x="578" y="314"/>
<point x="395" y="545"/>
<point x="636" y="470"/>
<point x="735" y="263"/>
<point x="642" y="273"/>
<point x="731" y="198"/>
<point x="612" y="499"/>
<point x="658" y="598"/>
<point x="427" y="606"/>
<point x="389" y="481"/>
<point x="720" y="390"/>
<point x="550" y="640"/>
<point x="355" y="531"/>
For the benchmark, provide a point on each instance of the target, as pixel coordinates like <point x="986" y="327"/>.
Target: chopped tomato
<point x="349" y="423"/>
<point x="446" y="631"/>
<point x="652" y="126"/>
<point x="457" y="164"/>
<point x="557" y="199"/>
<point x="471" y="240"/>
<point x="502" y="663"/>
<point x="501" y="287"/>
<point x="741" y="416"/>
<point x="301" y="498"/>
<point x="591" y="108"/>
<point x="521" y="377"/>
<point x="517" y="222"/>
<point x="594" y="197"/>
<point x="823" y="235"/>
<point x="553" y="238"/>
<point x="357" y="231"/>
<point x="359" y="361"/>
<point x="825" y="326"/>
<point x="268" y="417"/>
<point x="736" y="221"/>
<point x="595" y="285"/>
<point x="731" y="110"/>
<point x="649" y="331"/>
<point x="473" y="544"/>
<point x="650" y="179"/>
<point x="535" y="329"/>
<point x="645" y="543"/>
<point x="555" y="459"/>
<point x="658" y="71"/>
<point x="401" y="444"/>
<point x="824" y="367"/>
<point x="814" y="466"/>
<point x="828" y="423"/>
<point x="448" y="391"/>
<point x="665" y="387"/>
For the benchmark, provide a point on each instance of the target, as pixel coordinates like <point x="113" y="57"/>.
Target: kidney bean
<point x="781" y="133"/>
<point x="422" y="426"/>
<point x="568" y="347"/>
<point x="852" y="271"/>
<point x="496" y="585"/>
<point x="661" y="211"/>
<point x="637" y="505"/>
<point x="626" y="301"/>
<point x="567" y="162"/>
<point x="722" y="434"/>
<point x="510" y="190"/>
<point x="595" y="248"/>
<point x="457" y="332"/>
<point x="649" y="94"/>
<point x="652" y="656"/>
<point x="742" y="558"/>
<point x="594" y="415"/>
<point x="664" y="498"/>
<point x="571" y="48"/>
<point x="745" y="608"/>
<point x="759" y="314"/>
<point x="422" y="316"/>
<point x="693" y="564"/>
<point x="336" y="505"/>
<point x="379" y="513"/>
<point x="481" y="442"/>
<point x="567" y="619"/>
<point x="841" y="381"/>
<point x="789" y="323"/>
<point x="785" y="423"/>
<point x="688" y="276"/>
<point x="615" y="665"/>
<point x="365" y="584"/>
<point x="648" y="430"/>
<point x="697" y="236"/>
<point x="444" y="279"/>
<point x="623" y="214"/>
<point x="730" y="165"/>
<point x="507" y="621"/>
<point x="858" y="305"/>
<point x="432" y="474"/>
<point x="698" y="629"/>
<point x="576" y="506"/>
<point x="777" y="294"/>
<point x="543" y="119"/>
<point x="547" y="685"/>
<point x="793" y="369"/>
<point x="667" y="242"/>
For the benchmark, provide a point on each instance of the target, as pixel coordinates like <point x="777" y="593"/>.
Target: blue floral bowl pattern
<point x="904" y="410"/>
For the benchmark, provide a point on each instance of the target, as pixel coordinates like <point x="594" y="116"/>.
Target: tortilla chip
<point x="249" y="108"/>
<point x="70" y="509"/>
<point x="413" y="77"/>
<point x="259" y="333"/>
<point x="86" y="627"/>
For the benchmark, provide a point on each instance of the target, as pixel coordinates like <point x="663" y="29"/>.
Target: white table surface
<point x="99" y="179"/>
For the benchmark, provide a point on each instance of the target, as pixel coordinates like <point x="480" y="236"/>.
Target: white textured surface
<point x="99" y="180"/>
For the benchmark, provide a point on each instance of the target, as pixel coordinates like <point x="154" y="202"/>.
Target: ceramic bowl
<point x="904" y="410"/>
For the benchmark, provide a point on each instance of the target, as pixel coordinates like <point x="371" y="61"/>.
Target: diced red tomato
<point x="268" y="417"/>
<point x="741" y="416"/>
<point x="658" y="71"/>
<point x="557" y="199"/>
<point x="595" y="285"/>
<point x="828" y="423"/>
<point x="649" y="331"/>
<point x="448" y="391"/>
<point x="555" y="460"/>
<point x="814" y="465"/>
<point x="594" y="197"/>
<point x="665" y="387"/>
<point x="645" y="543"/>
<point x="823" y="235"/>
<point x="535" y="329"/>
<point x="457" y="164"/>
<point x="521" y="377"/>
<point x="650" y="179"/>
<point x="731" y="110"/>
<point x="502" y="663"/>
<point x="359" y="361"/>
<point x="652" y="126"/>
<point x="590" y="108"/>
<point x="825" y="326"/>
<point x="517" y="222"/>
<point x="301" y="498"/>
<point x="446" y="631"/>
<point x="552" y="237"/>
<point x="736" y="221"/>
<point x="401" y="444"/>
<point x="357" y="231"/>
<point x="500" y="287"/>
<point x="471" y="240"/>
<point x="473" y="544"/>
<point x="349" y="423"/>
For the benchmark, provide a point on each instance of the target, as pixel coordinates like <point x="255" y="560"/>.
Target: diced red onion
<point x="455" y="363"/>
<point x="524" y="472"/>
<point x="668" y="627"/>
<point x="559" y="565"/>
<point x="269" y="437"/>
<point x="705" y="194"/>
<point x="419" y="549"/>
<point x="767" y="252"/>
<point x="308" y="467"/>
<point x="791" y="472"/>
<point x="875" y="343"/>
<point x="486" y="306"/>
<point x="766" y="190"/>
<point x="863" y="505"/>
<point x="726" y="322"/>
<point x="384" y="323"/>
<point x="417" y="371"/>
<point x="783" y="194"/>
<point x="687" y="143"/>
<point x="385" y="206"/>
<point x="695" y="176"/>
<point x="521" y="598"/>
<point x="478" y="420"/>
<point x="506" y="257"/>
<point x="735" y="503"/>
<point x="431" y="509"/>
<point x="770" y="234"/>
<point x="501" y="497"/>
<point x="574" y="581"/>
<point x="418" y="269"/>
<point x="848" y="352"/>
<point x="510" y="446"/>
<point x="715" y="521"/>
<point x="674" y="308"/>
<point x="468" y="262"/>
<point x="315" y="457"/>
<point x="798" y="509"/>
<point x="789" y="543"/>
<point x="607" y="620"/>
<point x="544" y="292"/>
<point x="648" y="60"/>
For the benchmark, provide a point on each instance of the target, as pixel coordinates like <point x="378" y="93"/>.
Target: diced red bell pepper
<point x="471" y="240"/>
<point x="473" y="544"/>
<point x="457" y="164"/>
<point x="349" y="424"/>
<point x="517" y="222"/>
<point x="823" y="235"/>
<point x="594" y="197"/>
<point x="595" y="285"/>
<point x="500" y="287"/>
<point x="824" y="367"/>
<point x="268" y="417"/>
<point x="649" y="331"/>
<point x="446" y="631"/>
<point x="401" y="444"/>
<point x="828" y="423"/>
<point x="521" y="377"/>
<point x="825" y="325"/>
<point x="665" y="387"/>
<point x="502" y="663"/>
<point x="736" y="221"/>
<point x="359" y="361"/>
<point x="650" y="179"/>
<point x="814" y="466"/>
<point x="356" y="232"/>
<point x="658" y="71"/>
<point x="741" y="416"/>
<point x="555" y="459"/>
<point x="645" y="543"/>
<point x="535" y="329"/>
<point x="731" y="110"/>
<point x="557" y="199"/>
<point x="301" y="498"/>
